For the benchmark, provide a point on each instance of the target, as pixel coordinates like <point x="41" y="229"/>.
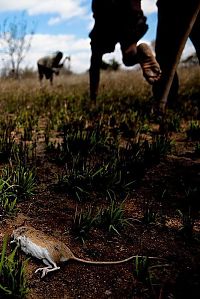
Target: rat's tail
<point x="112" y="262"/>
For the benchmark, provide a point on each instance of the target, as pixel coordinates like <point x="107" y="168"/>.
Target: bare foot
<point x="150" y="67"/>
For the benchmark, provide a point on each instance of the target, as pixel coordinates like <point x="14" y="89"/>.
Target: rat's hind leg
<point x="44" y="269"/>
<point x="51" y="266"/>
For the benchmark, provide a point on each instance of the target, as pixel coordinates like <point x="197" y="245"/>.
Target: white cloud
<point x="188" y="50"/>
<point x="90" y="22"/>
<point x="62" y="9"/>
<point x="149" y="6"/>
<point x="80" y="61"/>
<point x="16" y="5"/>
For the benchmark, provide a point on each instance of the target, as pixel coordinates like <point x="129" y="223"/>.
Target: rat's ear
<point x="24" y="223"/>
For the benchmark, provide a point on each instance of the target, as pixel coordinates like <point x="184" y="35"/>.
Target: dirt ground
<point x="176" y="277"/>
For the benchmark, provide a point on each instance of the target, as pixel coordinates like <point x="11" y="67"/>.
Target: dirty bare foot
<point x="150" y="67"/>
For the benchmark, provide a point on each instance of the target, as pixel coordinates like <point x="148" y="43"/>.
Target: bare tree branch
<point x="16" y="38"/>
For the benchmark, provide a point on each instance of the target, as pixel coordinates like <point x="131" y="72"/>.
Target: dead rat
<point x="50" y="250"/>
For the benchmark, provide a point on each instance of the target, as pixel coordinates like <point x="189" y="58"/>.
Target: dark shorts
<point x="116" y="23"/>
<point x="45" y="71"/>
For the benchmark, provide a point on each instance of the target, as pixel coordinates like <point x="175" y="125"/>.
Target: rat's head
<point x="17" y="233"/>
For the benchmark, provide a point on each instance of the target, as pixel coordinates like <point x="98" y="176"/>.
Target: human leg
<point x="51" y="79"/>
<point x="166" y="49"/>
<point x="172" y="25"/>
<point x="40" y="73"/>
<point x="94" y="73"/>
<point x="103" y="40"/>
<point x="143" y="55"/>
<point x="150" y="67"/>
<point x="133" y="28"/>
<point x="49" y="75"/>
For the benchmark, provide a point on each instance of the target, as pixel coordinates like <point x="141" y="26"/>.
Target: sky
<point x="64" y="25"/>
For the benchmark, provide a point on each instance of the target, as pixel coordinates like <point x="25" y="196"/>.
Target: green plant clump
<point x="82" y="223"/>
<point x="13" y="283"/>
<point x="193" y="132"/>
<point x="112" y="218"/>
<point x="21" y="180"/>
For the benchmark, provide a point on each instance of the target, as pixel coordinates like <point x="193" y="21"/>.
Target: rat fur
<point x="50" y="250"/>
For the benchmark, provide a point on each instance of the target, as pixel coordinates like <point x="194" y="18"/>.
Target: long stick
<point x="163" y="100"/>
<point x="66" y="58"/>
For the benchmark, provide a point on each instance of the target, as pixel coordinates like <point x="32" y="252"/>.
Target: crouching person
<point x="49" y="65"/>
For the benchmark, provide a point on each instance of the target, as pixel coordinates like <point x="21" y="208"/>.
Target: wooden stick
<point x="166" y="91"/>
<point x="66" y="58"/>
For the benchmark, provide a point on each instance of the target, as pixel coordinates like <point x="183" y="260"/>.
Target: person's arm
<point x="60" y="65"/>
<point x="95" y="65"/>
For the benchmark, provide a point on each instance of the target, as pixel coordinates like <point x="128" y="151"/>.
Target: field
<point x="104" y="180"/>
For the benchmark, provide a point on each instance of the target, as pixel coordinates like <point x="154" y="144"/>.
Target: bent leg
<point x="51" y="266"/>
<point x="150" y="67"/>
<point x="143" y="55"/>
<point x="133" y="29"/>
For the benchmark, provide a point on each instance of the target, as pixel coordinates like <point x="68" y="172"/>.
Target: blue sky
<point x="64" y="25"/>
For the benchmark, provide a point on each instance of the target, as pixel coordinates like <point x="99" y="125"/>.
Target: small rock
<point x="108" y="293"/>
